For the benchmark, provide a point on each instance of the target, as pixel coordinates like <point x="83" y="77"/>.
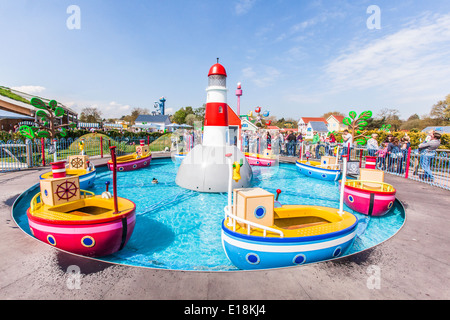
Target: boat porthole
<point x="134" y="166"/>
<point x="299" y="259"/>
<point x="257" y="162"/>
<point x="260" y="212"/>
<point x="88" y="241"/>
<point x="324" y="176"/>
<point x="46" y="192"/>
<point x="51" y="239"/>
<point x="310" y="172"/>
<point x="252" y="258"/>
<point x="121" y="169"/>
<point x="268" y="164"/>
<point x="390" y="204"/>
<point x="337" y="252"/>
<point x="351" y="199"/>
<point x="145" y="163"/>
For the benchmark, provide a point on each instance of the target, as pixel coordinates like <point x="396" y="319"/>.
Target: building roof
<point x="338" y="118"/>
<point x="160" y="118"/>
<point x="233" y="119"/>
<point x="273" y="127"/>
<point x="441" y="129"/>
<point x="12" y="115"/>
<point x="309" y="119"/>
<point x="28" y="97"/>
<point x="318" y="126"/>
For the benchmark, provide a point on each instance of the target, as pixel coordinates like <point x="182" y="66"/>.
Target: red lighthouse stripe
<point x="216" y="114"/>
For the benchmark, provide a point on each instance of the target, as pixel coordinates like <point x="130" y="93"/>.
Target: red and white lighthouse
<point x="216" y="112"/>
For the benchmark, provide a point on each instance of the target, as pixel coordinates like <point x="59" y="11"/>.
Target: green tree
<point x="179" y="116"/>
<point x="91" y="115"/>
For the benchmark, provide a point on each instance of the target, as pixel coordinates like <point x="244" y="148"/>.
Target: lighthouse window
<point x="220" y="109"/>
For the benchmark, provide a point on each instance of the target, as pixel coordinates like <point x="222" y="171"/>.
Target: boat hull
<point x="92" y="240"/>
<point x="86" y="180"/>
<point x="368" y="202"/>
<point x="250" y="252"/>
<point x="317" y="173"/>
<point x="261" y="161"/>
<point x="132" y="164"/>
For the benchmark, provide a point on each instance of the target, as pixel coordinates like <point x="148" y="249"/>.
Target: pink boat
<point x="369" y="197"/>
<point x="87" y="228"/>
<point x="255" y="159"/>
<point x="79" y="221"/>
<point x="131" y="162"/>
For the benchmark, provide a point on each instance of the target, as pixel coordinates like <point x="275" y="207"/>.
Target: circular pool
<point x="180" y="229"/>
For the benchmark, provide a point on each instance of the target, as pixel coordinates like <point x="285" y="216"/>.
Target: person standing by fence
<point x="372" y="145"/>
<point x="427" y="151"/>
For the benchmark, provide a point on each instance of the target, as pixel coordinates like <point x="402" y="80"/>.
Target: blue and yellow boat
<point x="318" y="170"/>
<point x="260" y="233"/>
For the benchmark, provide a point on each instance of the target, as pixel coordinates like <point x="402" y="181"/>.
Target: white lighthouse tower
<point x="216" y="111"/>
<point x="205" y="168"/>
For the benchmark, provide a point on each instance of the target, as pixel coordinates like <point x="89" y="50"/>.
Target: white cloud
<point x="108" y="109"/>
<point x="413" y="60"/>
<point x="29" y="89"/>
<point x="243" y="6"/>
<point x="262" y="77"/>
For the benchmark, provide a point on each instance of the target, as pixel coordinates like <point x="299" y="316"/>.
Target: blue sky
<point x="294" y="58"/>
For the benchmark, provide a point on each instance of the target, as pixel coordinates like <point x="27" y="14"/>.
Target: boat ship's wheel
<point x="66" y="190"/>
<point x="76" y="163"/>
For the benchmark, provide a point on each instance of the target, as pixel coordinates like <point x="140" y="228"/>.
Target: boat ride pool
<point x="180" y="229"/>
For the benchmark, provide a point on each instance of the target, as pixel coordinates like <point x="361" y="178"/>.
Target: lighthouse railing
<point x="233" y="218"/>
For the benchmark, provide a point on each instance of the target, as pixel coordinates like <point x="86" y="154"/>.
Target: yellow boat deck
<point x="69" y="173"/>
<point x="370" y="185"/>
<point x="303" y="221"/>
<point x="130" y="157"/>
<point x="85" y="210"/>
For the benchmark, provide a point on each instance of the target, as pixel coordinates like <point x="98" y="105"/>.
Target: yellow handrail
<point x="86" y="194"/>
<point x="359" y="184"/>
<point x="36" y="202"/>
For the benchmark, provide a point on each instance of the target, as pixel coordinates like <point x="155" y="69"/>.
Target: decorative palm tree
<point x="47" y="127"/>
<point x="356" y="126"/>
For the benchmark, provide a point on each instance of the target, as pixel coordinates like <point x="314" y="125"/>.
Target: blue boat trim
<point x="289" y="239"/>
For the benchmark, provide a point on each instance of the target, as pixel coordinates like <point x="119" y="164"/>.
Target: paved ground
<point x="414" y="264"/>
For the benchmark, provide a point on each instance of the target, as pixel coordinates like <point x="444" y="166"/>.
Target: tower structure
<point x="216" y="111"/>
<point x="205" y="167"/>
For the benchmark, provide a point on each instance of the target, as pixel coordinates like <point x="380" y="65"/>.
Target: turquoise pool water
<point x="181" y="229"/>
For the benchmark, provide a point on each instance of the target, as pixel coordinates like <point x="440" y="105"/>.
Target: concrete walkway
<point x="414" y="264"/>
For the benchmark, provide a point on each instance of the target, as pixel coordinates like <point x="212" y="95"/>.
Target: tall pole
<point x="114" y="160"/>
<point x="344" y="177"/>
<point x="239" y="94"/>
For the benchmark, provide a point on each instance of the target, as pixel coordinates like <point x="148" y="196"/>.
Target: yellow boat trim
<point x="370" y="185"/>
<point x="69" y="172"/>
<point x="260" y="156"/>
<point x="89" y="208"/>
<point x="130" y="157"/>
<point x="310" y="163"/>
<point x="302" y="221"/>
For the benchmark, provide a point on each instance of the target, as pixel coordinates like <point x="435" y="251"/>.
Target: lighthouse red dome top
<point x="217" y="69"/>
